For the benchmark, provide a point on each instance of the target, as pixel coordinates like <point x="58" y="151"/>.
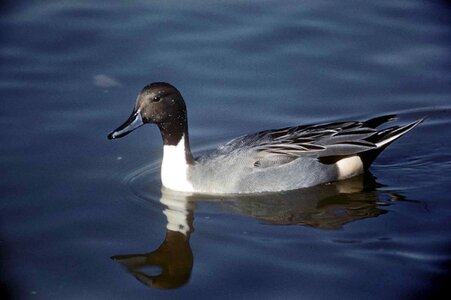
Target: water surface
<point x="82" y="217"/>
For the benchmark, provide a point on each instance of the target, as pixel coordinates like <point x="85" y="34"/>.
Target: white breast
<point x="174" y="168"/>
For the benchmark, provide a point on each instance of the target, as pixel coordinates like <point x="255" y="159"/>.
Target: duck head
<point x="159" y="103"/>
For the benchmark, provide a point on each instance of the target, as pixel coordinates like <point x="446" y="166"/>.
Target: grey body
<point x="234" y="170"/>
<point x="267" y="161"/>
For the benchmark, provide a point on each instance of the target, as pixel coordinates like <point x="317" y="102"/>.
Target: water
<point x="71" y="200"/>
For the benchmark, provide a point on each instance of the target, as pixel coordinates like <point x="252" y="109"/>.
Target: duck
<point x="274" y="160"/>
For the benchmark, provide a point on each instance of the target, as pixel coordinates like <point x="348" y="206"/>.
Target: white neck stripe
<point x="174" y="168"/>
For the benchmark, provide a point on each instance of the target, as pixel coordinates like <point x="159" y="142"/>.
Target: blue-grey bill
<point x="135" y="121"/>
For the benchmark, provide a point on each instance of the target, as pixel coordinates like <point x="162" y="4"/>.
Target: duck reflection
<point x="174" y="257"/>
<point x="326" y="206"/>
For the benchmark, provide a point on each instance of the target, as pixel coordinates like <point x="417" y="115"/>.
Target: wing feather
<point x="280" y="146"/>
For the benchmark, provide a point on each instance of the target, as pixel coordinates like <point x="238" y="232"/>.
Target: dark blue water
<point x="71" y="200"/>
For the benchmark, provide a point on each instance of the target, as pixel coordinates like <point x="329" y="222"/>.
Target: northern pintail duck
<point x="267" y="161"/>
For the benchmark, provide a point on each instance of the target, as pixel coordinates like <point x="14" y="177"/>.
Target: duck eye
<point x="156" y="99"/>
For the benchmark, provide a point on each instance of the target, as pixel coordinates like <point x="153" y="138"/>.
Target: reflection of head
<point x="174" y="257"/>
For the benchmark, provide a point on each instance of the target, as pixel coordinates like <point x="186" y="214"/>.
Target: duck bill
<point x="134" y="121"/>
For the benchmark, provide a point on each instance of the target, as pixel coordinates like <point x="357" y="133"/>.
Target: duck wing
<point x="328" y="142"/>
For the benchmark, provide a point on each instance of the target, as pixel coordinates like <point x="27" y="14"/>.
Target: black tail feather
<point x="390" y="135"/>
<point x="382" y="139"/>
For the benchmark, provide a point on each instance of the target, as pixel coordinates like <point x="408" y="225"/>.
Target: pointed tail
<point x="384" y="138"/>
<point x="387" y="136"/>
